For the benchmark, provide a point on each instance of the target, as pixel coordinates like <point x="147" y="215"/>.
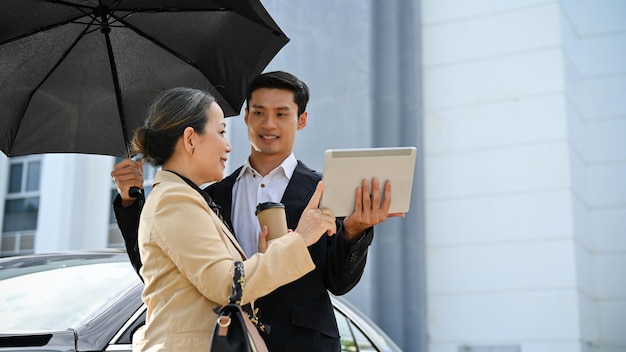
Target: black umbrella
<point x="76" y="76"/>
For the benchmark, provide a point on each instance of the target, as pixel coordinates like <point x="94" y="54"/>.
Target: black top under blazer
<point x="300" y="313"/>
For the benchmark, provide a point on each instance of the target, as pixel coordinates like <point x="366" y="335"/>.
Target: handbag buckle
<point x="224" y="322"/>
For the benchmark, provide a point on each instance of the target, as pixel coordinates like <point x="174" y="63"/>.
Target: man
<point x="300" y="314"/>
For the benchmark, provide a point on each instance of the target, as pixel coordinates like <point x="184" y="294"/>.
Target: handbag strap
<point x="238" y="284"/>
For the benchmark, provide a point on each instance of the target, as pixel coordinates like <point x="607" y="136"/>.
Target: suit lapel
<point x="298" y="192"/>
<point x="222" y="194"/>
<point x="226" y="232"/>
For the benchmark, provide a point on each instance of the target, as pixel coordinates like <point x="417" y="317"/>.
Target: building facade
<point x="516" y="238"/>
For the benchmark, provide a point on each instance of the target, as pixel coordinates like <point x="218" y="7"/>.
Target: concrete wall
<point x="523" y="161"/>
<point x="594" y="43"/>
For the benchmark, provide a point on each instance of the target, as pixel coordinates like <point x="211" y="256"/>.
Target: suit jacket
<point x="300" y="314"/>
<point x="188" y="255"/>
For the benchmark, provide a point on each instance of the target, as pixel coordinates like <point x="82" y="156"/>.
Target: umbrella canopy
<point x="77" y="76"/>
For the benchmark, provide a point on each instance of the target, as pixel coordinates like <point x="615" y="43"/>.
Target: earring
<point x="193" y="150"/>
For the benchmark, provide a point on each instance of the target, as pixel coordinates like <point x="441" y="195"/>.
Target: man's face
<point x="272" y="120"/>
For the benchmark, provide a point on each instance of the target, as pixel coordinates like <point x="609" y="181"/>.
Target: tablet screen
<point x="344" y="169"/>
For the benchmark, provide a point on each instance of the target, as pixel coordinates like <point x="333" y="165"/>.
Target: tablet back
<point x="344" y="169"/>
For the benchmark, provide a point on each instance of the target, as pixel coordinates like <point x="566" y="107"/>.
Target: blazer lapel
<point x="226" y="232"/>
<point x="171" y="176"/>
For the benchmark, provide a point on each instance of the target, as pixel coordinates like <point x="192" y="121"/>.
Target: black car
<point x="91" y="301"/>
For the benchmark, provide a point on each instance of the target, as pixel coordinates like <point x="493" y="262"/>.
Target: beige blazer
<point x="188" y="256"/>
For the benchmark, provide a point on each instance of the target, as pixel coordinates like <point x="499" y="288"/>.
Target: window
<point x="21" y="206"/>
<point x="115" y="239"/>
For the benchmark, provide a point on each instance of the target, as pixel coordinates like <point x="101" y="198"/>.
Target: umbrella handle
<point x="134" y="192"/>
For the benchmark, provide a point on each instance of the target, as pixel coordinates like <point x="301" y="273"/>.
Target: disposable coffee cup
<point x="273" y="215"/>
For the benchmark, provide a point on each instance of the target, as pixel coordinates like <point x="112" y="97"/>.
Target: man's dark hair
<point x="280" y="80"/>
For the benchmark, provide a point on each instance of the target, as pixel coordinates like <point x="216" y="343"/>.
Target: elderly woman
<point x="188" y="253"/>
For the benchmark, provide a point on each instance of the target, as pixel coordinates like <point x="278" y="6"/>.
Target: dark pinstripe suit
<point x="300" y="313"/>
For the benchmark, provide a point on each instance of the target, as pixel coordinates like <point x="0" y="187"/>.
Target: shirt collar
<point x="288" y="166"/>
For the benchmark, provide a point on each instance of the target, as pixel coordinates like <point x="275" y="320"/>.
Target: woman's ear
<point x="188" y="140"/>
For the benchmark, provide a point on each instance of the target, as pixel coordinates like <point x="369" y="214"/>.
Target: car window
<point x="62" y="297"/>
<point x="364" y="344"/>
<point x="352" y="338"/>
<point x="127" y="335"/>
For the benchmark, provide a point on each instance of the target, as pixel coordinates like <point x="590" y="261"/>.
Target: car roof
<point x="24" y="264"/>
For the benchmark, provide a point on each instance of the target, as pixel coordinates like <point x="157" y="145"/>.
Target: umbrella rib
<point x="30" y="96"/>
<point x="76" y="19"/>
<point x="264" y="20"/>
<point x="170" y="9"/>
<point x="156" y="42"/>
<point x="116" y="83"/>
<point x="70" y="4"/>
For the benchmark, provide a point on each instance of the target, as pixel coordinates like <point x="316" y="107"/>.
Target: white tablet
<point x="344" y="169"/>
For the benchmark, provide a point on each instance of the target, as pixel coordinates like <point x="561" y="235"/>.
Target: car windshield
<point x="59" y="293"/>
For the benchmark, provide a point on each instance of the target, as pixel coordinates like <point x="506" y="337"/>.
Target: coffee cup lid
<point x="268" y="205"/>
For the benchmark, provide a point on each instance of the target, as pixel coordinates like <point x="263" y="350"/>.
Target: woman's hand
<point x="315" y="222"/>
<point x="263" y="239"/>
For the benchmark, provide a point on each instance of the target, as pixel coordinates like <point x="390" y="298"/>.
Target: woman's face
<point x="211" y="148"/>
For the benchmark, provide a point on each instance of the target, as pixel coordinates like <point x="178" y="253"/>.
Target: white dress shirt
<point x="250" y="189"/>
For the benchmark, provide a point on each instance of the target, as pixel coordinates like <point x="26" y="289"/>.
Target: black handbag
<point x="234" y="331"/>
